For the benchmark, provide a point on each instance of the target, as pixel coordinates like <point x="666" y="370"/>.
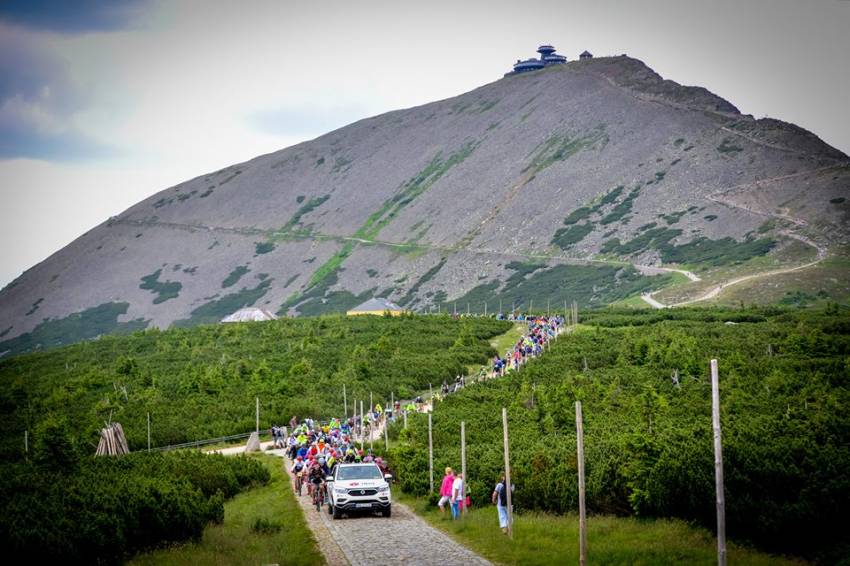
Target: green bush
<point x="648" y="441"/>
<point x="105" y="509"/>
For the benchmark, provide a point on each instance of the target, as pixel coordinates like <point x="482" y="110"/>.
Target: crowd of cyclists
<point x="316" y="448"/>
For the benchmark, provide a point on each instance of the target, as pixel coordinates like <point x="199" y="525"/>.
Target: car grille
<point x="364" y="492"/>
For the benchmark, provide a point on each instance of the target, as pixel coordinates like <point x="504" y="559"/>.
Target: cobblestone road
<point x="403" y="538"/>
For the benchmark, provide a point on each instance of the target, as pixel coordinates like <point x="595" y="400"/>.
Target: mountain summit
<point x="574" y="182"/>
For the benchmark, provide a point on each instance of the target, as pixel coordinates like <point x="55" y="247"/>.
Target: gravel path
<point x="364" y="540"/>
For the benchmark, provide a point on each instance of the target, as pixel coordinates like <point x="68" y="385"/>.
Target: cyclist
<point x="297" y="470"/>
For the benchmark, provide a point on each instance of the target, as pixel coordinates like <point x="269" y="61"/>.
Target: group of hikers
<point x="315" y="448"/>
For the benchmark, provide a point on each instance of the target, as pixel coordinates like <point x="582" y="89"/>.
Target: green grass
<point x="559" y="147"/>
<point x="263" y="247"/>
<point x="249" y="533"/>
<point x="565" y="238"/>
<point x="552" y="539"/>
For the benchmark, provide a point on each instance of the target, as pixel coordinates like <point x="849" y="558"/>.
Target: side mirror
<point x="388" y="477"/>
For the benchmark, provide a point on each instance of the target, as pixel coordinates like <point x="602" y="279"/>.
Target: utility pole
<point x="582" y="519"/>
<point x="718" y="465"/>
<point x="507" y="474"/>
<point x="430" y="456"/>
<point x="463" y="463"/>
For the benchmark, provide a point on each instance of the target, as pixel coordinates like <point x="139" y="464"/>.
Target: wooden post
<point x="258" y="415"/>
<point x="582" y="520"/>
<point x="500" y="306"/>
<point x="392" y="403"/>
<point x="548" y="311"/>
<point x="467" y="309"/>
<point x="430" y="456"/>
<point x="26" y="442"/>
<point x="508" y="474"/>
<point x="463" y="463"/>
<point x="455" y="308"/>
<point x="386" y="438"/>
<point x="431" y="393"/>
<point x="362" y="425"/>
<point x="149" y="432"/>
<point x="485" y="315"/>
<point x="530" y="305"/>
<point x="344" y="402"/>
<point x="718" y="465"/>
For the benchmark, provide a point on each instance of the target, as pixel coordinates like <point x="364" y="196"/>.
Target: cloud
<point x="64" y="16"/>
<point x="38" y="101"/>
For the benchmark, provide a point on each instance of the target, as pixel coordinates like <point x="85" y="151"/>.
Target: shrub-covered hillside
<point x="785" y="396"/>
<point x="201" y="382"/>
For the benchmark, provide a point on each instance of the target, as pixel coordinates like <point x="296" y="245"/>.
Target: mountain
<point x="575" y="182"/>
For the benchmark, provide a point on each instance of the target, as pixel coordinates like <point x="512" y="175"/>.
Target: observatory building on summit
<point x="547" y="57"/>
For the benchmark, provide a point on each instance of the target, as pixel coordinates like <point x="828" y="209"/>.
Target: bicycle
<point x="299" y="482"/>
<point x="319" y="495"/>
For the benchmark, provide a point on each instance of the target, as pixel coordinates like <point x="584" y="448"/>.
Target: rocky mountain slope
<point x="545" y="186"/>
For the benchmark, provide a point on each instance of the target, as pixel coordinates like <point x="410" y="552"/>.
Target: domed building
<point x="547" y="57"/>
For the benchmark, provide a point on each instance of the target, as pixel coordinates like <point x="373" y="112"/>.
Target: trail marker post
<point x="463" y="464"/>
<point x="718" y="465"/>
<point x="508" y="474"/>
<point x="582" y="519"/>
<point x="430" y="456"/>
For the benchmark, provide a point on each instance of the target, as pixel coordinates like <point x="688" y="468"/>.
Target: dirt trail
<point x="800" y="223"/>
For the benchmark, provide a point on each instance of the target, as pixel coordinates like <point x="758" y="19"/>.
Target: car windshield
<point x="359" y="473"/>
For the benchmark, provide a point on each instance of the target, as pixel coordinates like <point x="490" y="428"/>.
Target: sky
<point x="104" y="103"/>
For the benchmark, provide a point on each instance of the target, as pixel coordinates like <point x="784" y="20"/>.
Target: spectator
<point x="457" y="494"/>
<point x="446" y="490"/>
<point x="500" y="498"/>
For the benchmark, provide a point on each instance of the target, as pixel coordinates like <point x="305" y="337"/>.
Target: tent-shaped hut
<point x="378" y="307"/>
<point x="249" y="314"/>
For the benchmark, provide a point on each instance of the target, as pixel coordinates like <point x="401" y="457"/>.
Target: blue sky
<point x="105" y="103"/>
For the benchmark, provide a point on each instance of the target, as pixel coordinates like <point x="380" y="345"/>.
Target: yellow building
<point x="377" y="307"/>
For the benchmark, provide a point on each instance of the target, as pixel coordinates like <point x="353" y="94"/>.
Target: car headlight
<point x="340" y="491"/>
<point x="383" y="489"/>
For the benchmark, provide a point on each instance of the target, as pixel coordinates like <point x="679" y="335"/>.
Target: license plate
<point x="363" y="505"/>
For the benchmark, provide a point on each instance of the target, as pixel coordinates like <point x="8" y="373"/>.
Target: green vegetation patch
<point x="235" y="276"/>
<point x="577" y="215"/>
<point x="727" y="146"/>
<point x="85" y="325"/>
<point x="699" y="251"/>
<point x="412" y="188"/>
<point x="213" y="311"/>
<point x="34" y="306"/>
<point x="559" y="147"/>
<point x="83" y="510"/>
<point x="307" y="208"/>
<point x="164" y="290"/>
<point x="565" y="238"/>
<point x="261" y="248"/>
<point x="588" y="285"/>
<point x="427" y="276"/>
<point x="643" y="382"/>
<point x="622" y="209"/>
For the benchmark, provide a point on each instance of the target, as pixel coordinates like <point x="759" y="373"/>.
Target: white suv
<point x="359" y="487"/>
